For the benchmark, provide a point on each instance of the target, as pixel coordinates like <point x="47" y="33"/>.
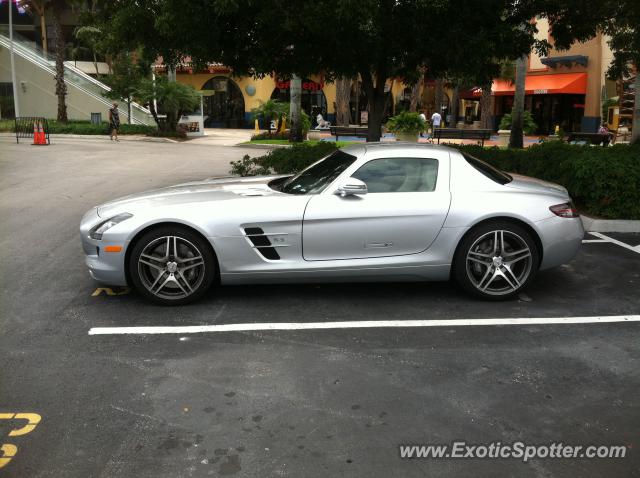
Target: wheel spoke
<point x="516" y="256"/>
<point x="173" y="279"/>
<point x="175" y="248"/>
<point x="509" y="276"/>
<point x="181" y="276"/>
<point x="147" y="263"/>
<point x="189" y="259"/>
<point x="489" y="274"/>
<point x="157" y="291"/>
<point x="191" y="266"/>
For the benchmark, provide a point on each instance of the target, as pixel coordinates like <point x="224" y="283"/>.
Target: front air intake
<point x="261" y="243"/>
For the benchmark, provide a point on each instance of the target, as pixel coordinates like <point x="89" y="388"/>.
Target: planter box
<point x="409" y="137"/>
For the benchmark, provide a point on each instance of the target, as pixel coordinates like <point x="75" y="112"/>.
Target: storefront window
<point x="223" y="103"/>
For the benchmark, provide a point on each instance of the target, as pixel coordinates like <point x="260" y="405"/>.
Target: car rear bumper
<point x="561" y="239"/>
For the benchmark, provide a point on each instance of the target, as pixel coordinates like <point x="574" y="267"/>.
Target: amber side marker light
<point x="112" y="248"/>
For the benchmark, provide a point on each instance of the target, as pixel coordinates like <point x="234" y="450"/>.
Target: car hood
<point x="534" y="185"/>
<point x="216" y="189"/>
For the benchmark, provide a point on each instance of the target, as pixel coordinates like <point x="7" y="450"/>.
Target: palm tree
<point x="269" y="110"/>
<point x="515" y="140"/>
<point x="90" y="36"/>
<point x="61" y="87"/>
<point x="416" y="89"/>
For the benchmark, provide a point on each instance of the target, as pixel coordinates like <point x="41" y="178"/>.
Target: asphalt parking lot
<point x="313" y="403"/>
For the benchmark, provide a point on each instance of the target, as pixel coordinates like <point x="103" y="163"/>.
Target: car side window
<point x="395" y="175"/>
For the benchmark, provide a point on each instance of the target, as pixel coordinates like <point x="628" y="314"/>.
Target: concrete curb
<point x="610" y="225"/>
<point x="127" y="137"/>
<point x="261" y="146"/>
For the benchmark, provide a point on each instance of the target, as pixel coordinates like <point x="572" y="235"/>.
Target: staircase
<point x="35" y="74"/>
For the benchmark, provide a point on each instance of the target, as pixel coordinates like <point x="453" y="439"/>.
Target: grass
<point x="87" y="128"/>
<point x="339" y="144"/>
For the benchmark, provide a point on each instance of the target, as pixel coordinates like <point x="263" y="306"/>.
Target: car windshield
<point x="489" y="171"/>
<point x="319" y="175"/>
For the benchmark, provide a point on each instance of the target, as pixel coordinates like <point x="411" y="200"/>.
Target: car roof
<point x="380" y="147"/>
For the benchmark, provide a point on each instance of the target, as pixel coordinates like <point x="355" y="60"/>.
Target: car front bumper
<point x="105" y="267"/>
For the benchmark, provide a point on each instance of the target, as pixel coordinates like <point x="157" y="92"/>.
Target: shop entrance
<point x="313" y="100"/>
<point x="224" y="104"/>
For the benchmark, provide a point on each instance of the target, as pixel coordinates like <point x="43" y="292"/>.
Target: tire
<point x="171" y="265"/>
<point x="496" y="273"/>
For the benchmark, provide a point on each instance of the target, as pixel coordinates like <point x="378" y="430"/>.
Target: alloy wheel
<point x="499" y="262"/>
<point x="171" y="267"/>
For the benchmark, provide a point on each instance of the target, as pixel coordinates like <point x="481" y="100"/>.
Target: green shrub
<point x="266" y="135"/>
<point x="86" y="127"/>
<point x="603" y="181"/>
<point x="406" y="122"/>
<point x="283" y="160"/>
<point x="528" y="124"/>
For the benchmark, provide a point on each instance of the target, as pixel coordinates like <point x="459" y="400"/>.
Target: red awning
<point x="561" y="83"/>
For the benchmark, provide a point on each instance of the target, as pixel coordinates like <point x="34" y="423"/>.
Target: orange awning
<point x="561" y="83"/>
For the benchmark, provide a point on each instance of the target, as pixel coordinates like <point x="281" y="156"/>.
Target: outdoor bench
<point x="459" y="133"/>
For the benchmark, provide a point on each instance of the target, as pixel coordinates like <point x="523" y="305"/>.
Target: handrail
<point x="73" y="76"/>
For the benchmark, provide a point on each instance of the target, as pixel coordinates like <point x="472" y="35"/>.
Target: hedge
<point x="604" y="182"/>
<point x="283" y="160"/>
<point x="86" y="127"/>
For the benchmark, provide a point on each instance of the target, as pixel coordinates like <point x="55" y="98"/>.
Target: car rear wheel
<point x="496" y="260"/>
<point x="172" y="266"/>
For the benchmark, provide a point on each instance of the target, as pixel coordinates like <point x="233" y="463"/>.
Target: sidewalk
<point x="213" y="136"/>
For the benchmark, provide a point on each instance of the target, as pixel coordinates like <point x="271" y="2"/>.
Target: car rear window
<point x="486" y="169"/>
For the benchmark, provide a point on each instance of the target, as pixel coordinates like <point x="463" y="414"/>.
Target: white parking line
<point x="364" y="324"/>
<point x="613" y="241"/>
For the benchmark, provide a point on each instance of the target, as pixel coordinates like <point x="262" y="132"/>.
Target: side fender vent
<point x="261" y="243"/>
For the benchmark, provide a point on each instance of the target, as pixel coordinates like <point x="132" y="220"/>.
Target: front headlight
<point x="97" y="231"/>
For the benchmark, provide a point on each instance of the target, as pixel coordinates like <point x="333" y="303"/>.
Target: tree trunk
<point x="295" y="108"/>
<point x="375" y="103"/>
<point x="43" y="28"/>
<point x="343" y="97"/>
<point x="485" y="106"/>
<point x="415" y="93"/>
<point x="61" y="87"/>
<point x="439" y="94"/>
<point x="129" y="109"/>
<point x="95" y="64"/>
<point x="635" y="132"/>
<point x="515" y="140"/>
<point x="454" y="106"/>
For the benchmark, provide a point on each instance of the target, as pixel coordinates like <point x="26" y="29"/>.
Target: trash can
<point x="96" y="118"/>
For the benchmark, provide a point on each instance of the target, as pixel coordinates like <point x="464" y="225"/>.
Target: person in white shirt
<point x="436" y="119"/>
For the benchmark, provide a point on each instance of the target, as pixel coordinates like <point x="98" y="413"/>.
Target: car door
<point x="403" y="211"/>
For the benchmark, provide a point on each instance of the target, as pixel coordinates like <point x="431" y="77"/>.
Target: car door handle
<point x="378" y="244"/>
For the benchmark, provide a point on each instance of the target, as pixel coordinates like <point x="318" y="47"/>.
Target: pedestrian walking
<point x="114" y="121"/>
<point x="436" y="119"/>
<point x="424" y="121"/>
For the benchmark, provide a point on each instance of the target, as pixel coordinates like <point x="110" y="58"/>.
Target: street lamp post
<point x="16" y="109"/>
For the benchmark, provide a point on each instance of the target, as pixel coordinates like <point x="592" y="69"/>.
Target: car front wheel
<point x="172" y="266"/>
<point x="496" y="260"/>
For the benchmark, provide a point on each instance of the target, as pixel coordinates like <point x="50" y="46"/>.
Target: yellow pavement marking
<point x="32" y="421"/>
<point x="8" y="452"/>
<point x="111" y="292"/>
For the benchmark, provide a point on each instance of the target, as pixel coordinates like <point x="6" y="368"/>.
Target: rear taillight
<point x="566" y="209"/>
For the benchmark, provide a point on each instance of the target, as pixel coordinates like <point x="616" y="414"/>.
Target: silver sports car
<point x="370" y="212"/>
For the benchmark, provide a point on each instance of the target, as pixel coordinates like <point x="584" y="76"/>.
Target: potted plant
<point x="407" y="126"/>
<point x="504" y="130"/>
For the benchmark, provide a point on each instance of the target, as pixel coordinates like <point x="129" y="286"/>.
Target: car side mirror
<point x="350" y="187"/>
